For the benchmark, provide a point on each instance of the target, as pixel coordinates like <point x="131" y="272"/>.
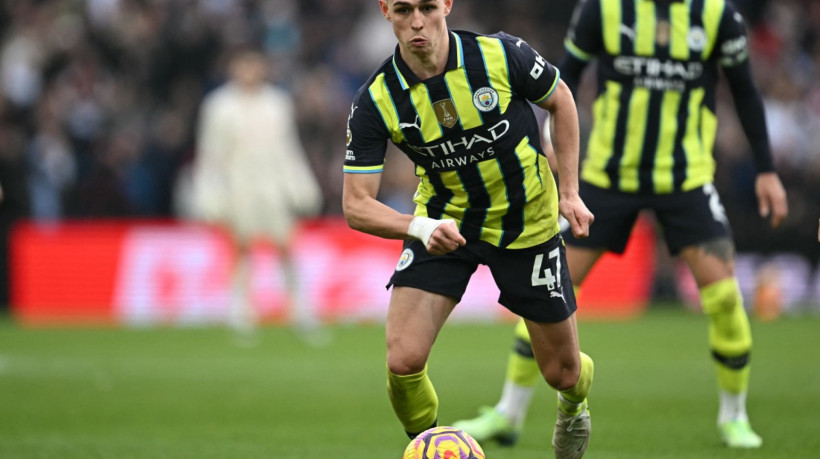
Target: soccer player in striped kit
<point x="458" y="104"/>
<point x="651" y="148"/>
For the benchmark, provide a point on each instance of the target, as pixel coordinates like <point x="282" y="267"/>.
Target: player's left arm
<point x="734" y="59"/>
<point x="537" y="80"/>
<point x="565" y="140"/>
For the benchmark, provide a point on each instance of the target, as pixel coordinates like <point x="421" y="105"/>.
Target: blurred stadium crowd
<point x="99" y="98"/>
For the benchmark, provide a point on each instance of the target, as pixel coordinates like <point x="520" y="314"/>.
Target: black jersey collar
<point x="455" y="59"/>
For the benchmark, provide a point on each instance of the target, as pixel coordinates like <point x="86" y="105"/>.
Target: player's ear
<point x="448" y="5"/>
<point x="385" y="9"/>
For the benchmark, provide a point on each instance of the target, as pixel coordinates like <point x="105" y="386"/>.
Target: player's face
<point x="249" y="71"/>
<point x="419" y="25"/>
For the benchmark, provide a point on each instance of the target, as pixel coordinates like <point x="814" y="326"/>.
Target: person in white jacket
<point x="251" y="176"/>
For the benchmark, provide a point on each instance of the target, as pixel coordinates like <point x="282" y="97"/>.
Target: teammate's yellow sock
<point x="522" y="369"/>
<point x="730" y="335"/>
<point x="414" y="400"/>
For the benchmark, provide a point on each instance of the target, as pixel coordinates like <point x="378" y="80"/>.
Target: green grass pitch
<point x="194" y="393"/>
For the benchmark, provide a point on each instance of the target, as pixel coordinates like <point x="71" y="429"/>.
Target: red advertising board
<point x="144" y="273"/>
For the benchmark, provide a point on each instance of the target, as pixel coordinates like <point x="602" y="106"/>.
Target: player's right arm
<point x="366" y="214"/>
<point x="364" y="160"/>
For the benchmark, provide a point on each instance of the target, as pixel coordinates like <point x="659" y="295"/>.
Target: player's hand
<point x="439" y="236"/>
<point x="577" y="214"/>
<point x="771" y="198"/>
<point x="445" y="239"/>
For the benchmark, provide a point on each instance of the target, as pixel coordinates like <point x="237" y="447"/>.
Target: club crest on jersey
<point x="696" y="39"/>
<point x="446" y="112"/>
<point x="405" y="259"/>
<point x="485" y="99"/>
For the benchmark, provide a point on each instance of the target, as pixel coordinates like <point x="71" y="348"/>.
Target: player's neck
<point x="428" y="65"/>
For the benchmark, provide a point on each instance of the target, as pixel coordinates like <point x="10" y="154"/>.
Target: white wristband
<point x="422" y="228"/>
<point x="563" y="224"/>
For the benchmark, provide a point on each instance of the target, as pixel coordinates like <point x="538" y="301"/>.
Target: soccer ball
<point x="443" y="443"/>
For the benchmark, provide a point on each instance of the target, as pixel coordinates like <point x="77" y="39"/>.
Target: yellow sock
<point x="574" y="397"/>
<point x="730" y="335"/>
<point x="522" y="369"/>
<point x="414" y="400"/>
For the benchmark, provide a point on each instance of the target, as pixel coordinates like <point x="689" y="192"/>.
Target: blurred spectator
<point x="251" y="177"/>
<point x="51" y="166"/>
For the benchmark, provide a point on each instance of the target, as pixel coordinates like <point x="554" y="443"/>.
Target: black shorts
<point x="686" y="218"/>
<point x="534" y="282"/>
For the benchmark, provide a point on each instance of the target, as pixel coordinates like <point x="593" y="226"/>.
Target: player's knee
<point x="403" y="360"/>
<point x="562" y="375"/>
<point x="405" y="366"/>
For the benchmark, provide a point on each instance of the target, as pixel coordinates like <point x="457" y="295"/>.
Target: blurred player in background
<point x="456" y="103"/>
<point x="651" y="148"/>
<point x="251" y="176"/>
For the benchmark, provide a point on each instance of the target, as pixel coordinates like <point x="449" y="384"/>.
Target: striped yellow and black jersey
<point x="654" y="121"/>
<point x="472" y="134"/>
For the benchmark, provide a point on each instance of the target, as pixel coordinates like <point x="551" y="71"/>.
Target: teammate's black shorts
<point x="534" y="282"/>
<point x="686" y="218"/>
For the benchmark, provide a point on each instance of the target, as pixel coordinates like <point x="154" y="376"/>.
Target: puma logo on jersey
<point x="624" y="29"/>
<point x="414" y="124"/>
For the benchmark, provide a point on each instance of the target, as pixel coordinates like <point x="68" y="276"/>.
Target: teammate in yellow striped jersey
<point x="458" y="104"/>
<point x="651" y="148"/>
